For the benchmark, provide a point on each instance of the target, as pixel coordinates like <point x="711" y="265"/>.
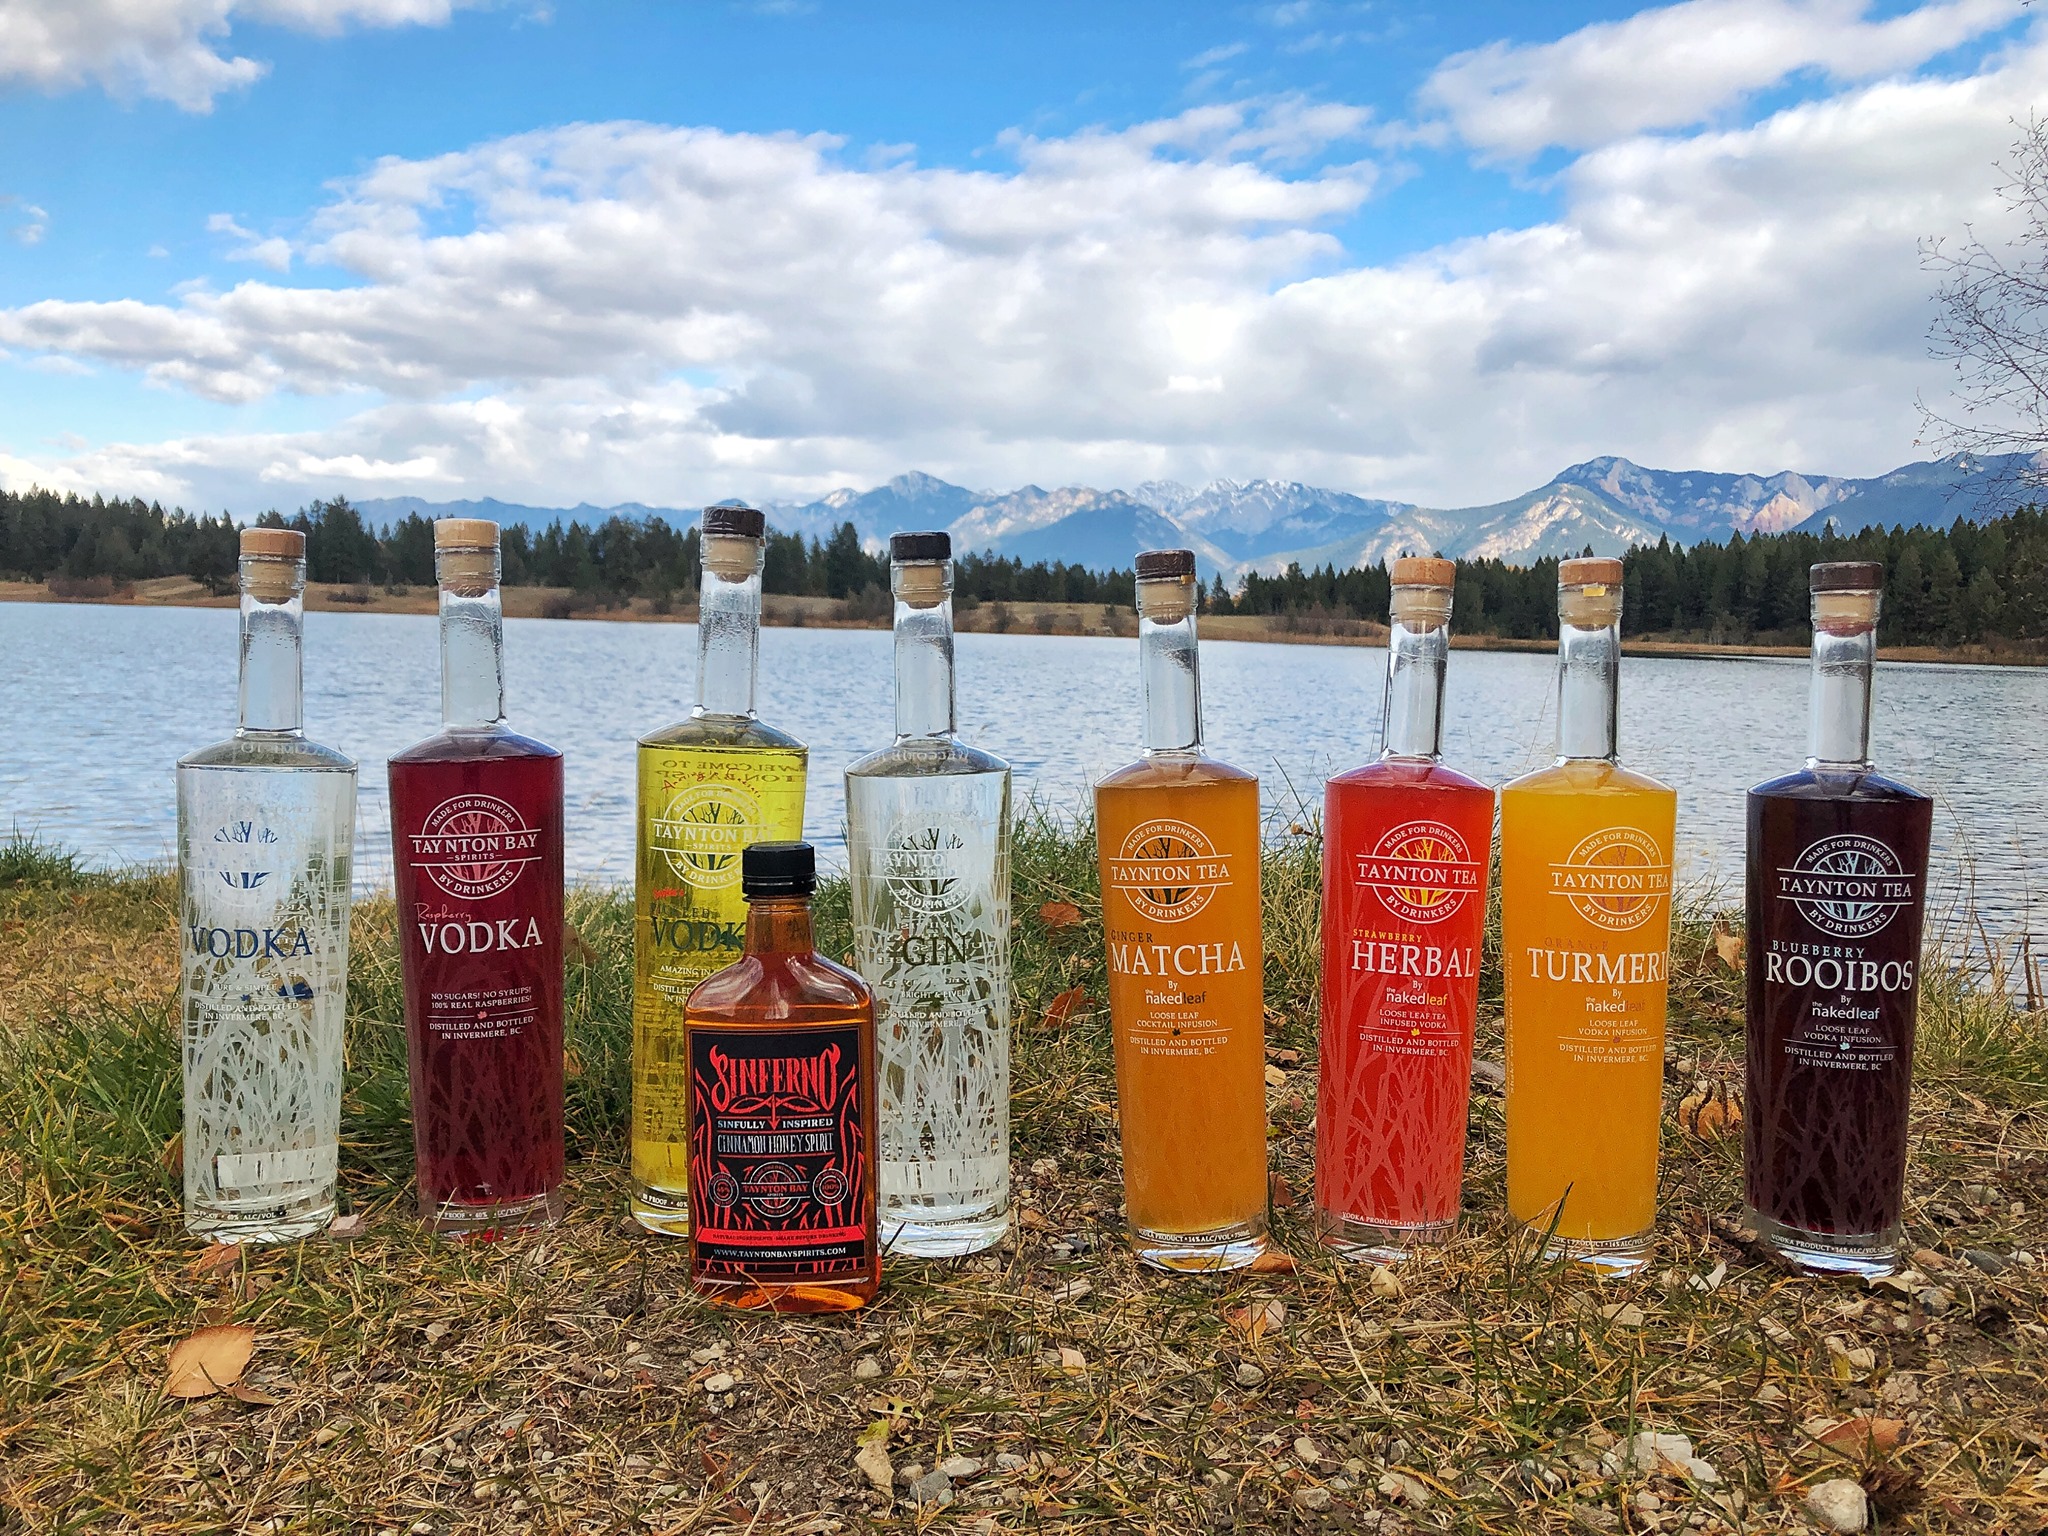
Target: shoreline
<point x="780" y="610"/>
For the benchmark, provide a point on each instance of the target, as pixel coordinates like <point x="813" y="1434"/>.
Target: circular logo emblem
<point x="829" y="1187"/>
<point x="1847" y="885"/>
<point x="703" y="830"/>
<point x="773" y="1189"/>
<point x="925" y="862"/>
<point x="474" y="846"/>
<point x="1616" y="879"/>
<point x="244" y="864"/>
<point x="1169" y="870"/>
<point x="1422" y="871"/>
<point x="725" y="1190"/>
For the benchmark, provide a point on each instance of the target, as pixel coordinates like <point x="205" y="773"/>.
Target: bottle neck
<point x="1588" y="677"/>
<point x="1172" y="673"/>
<point x="1842" y="667"/>
<point x="1414" y="714"/>
<point x="924" y="668"/>
<point x="273" y="652"/>
<point x="728" y="637"/>
<point x="779" y="925"/>
<point x="472" y="659"/>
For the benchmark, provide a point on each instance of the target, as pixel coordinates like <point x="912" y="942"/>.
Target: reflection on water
<point x="97" y="704"/>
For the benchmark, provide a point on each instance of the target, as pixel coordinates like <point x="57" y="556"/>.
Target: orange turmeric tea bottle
<point x="1178" y="853"/>
<point x="1585" y="941"/>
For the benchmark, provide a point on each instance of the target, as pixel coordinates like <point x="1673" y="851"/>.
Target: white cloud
<point x="624" y="311"/>
<point x="1679" y="65"/>
<point x="173" y="50"/>
<point x="274" y="252"/>
<point x="30" y="223"/>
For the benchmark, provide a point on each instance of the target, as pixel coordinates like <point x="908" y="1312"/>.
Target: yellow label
<point x="699" y="809"/>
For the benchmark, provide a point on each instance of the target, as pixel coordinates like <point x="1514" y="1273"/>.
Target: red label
<point x="778" y="1156"/>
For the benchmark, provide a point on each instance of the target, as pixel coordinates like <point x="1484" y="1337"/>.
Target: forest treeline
<point x="1967" y="583"/>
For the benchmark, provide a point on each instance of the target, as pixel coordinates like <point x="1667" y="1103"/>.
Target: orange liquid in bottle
<point x="1179" y="859"/>
<point x="1585" y="940"/>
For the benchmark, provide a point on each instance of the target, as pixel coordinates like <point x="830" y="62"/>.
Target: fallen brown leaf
<point x="1033" y="1221"/>
<point x="576" y="949"/>
<point x="1711" y="1111"/>
<point x="1280" y="1192"/>
<point x="173" y="1154"/>
<point x="1864" y="1435"/>
<point x="255" y="1397"/>
<point x="1258" y="1319"/>
<point x="1274" y="1261"/>
<point x="209" y="1361"/>
<point x="1059" y="914"/>
<point x="1072" y="1361"/>
<point x="343" y="1228"/>
<point x="217" y="1257"/>
<point x="1727" y="944"/>
<point x="1061" y="1008"/>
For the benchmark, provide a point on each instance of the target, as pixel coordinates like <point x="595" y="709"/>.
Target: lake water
<point x="98" y="703"/>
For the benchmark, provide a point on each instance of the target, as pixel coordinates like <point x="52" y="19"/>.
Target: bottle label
<point x="1848" y="887"/>
<point x="778" y="1153"/>
<point x="1614" y="882"/>
<point x="1616" y="879"/>
<point x="1421" y="871"/>
<point x="474" y="847"/>
<point x="1168" y="870"/>
<point x="702" y="831"/>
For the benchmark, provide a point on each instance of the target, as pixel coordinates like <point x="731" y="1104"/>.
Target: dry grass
<point x="558" y="1382"/>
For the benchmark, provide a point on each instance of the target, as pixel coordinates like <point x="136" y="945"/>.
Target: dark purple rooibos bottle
<point x="1836" y="894"/>
<point x="476" y="834"/>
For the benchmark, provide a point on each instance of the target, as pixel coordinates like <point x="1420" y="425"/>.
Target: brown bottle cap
<point x="920" y="546"/>
<point x="738" y="522"/>
<point x="1164" y="564"/>
<point x="274" y="543"/>
<point x="1847" y="576"/>
<point x="1589" y="571"/>
<point x="465" y="533"/>
<point x="1423" y="571"/>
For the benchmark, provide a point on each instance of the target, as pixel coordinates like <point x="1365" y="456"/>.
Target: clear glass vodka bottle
<point x="928" y="850"/>
<point x="266" y="825"/>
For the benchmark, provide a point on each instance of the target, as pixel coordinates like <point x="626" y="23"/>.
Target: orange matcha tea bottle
<point x="1585" y="940"/>
<point x="1178" y="853"/>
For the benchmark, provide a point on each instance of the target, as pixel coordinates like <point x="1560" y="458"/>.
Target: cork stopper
<point x="732" y="542"/>
<point x="465" y="533"/>
<point x="1422" y="591"/>
<point x="923" y="585"/>
<point x="273" y="563"/>
<point x="1166" y="585"/>
<point x="1589" y="592"/>
<point x="1847" y="576"/>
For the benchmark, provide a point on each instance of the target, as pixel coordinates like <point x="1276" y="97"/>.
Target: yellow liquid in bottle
<point x="1585" y="938"/>
<point x="1179" y="859"/>
<point x="707" y="789"/>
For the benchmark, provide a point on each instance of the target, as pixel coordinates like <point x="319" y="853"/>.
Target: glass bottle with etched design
<point x="1585" y="883"/>
<point x="1406" y="843"/>
<point x="1837" y="887"/>
<point x="709" y="786"/>
<point x="476" y="844"/>
<point x="928" y="852"/>
<point x="266" y="826"/>
<point x="1177" y="850"/>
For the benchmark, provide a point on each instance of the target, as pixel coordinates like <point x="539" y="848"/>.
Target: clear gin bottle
<point x="266" y="824"/>
<point x="928" y="849"/>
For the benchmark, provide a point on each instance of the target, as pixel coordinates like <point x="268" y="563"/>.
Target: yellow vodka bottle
<point x="709" y="786"/>
<point x="1585" y="937"/>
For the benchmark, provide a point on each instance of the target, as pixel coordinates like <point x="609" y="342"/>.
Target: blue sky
<point x="253" y="251"/>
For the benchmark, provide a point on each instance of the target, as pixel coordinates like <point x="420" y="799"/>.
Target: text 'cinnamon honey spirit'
<point x="476" y="845"/>
<point x="928" y="854"/>
<point x="266" y="828"/>
<point x="1585" y="852"/>
<point x="1837" y="888"/>
<point x="709" y="786"/>
<point x="1178" y="854"/>
<point x="1406" y="844"/>
<point x="782" y="1110"/>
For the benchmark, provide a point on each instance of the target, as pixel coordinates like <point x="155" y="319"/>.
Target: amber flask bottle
<point x="781" y="1110"/>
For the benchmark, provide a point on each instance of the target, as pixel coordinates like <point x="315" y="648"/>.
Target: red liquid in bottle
<point x="476" y="830"/>
<point x="1405" y="854"/>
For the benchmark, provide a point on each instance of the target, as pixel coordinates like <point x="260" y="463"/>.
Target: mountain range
<point x="1265" y="525"/>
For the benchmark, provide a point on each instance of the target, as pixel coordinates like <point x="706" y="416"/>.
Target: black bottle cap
<point x="1847" y="576"/>
<point x="769" y="870"/>
<point x="920" y="546"/>
<point x="1157" y="564"/>
<point x="743" y="522"/>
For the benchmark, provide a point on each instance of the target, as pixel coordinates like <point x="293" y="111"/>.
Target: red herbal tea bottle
<point x="781" y="1110"/>
<point x="476" y="841"/>
<point x="1406" y="844"/>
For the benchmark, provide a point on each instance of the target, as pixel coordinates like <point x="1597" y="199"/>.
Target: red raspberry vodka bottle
<point x="1406" y="843"/>
<point x="476" y="834"/>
